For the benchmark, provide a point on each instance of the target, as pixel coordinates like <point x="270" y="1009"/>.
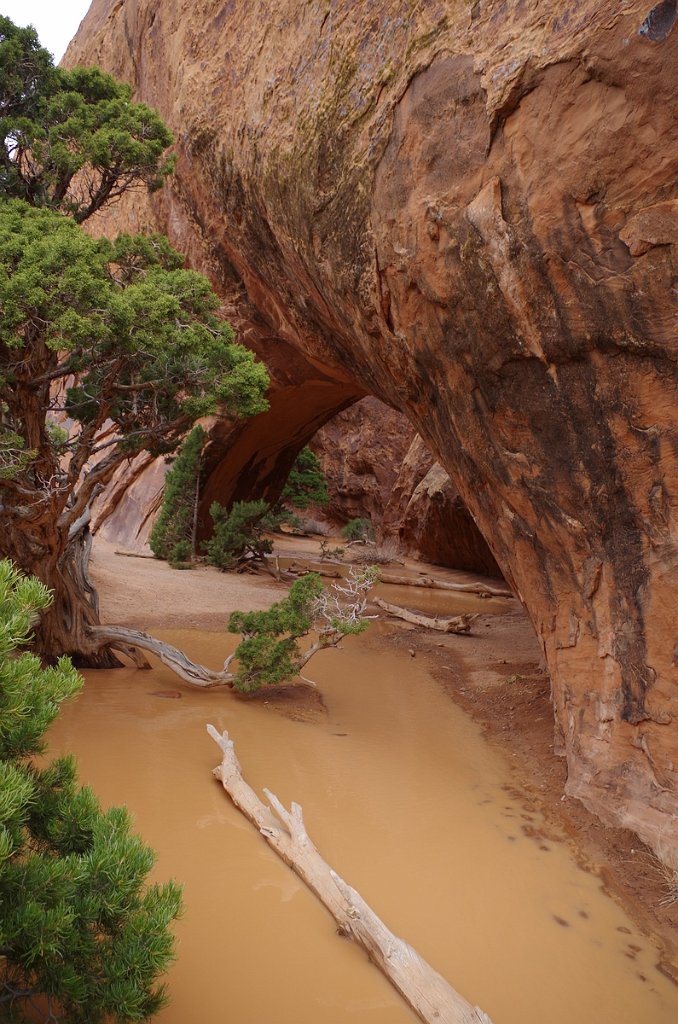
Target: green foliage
<point x="79" y="925"/>
<point x="269" y="652"/>
<point x="239" y="533"/>
<point x="358" y="529"/>
<point x="113" y="339"/>
<point x="14" y="456"/>
<point x="106" y="332"/>
<point x="71" y="140"/>
<point x="138" y="332"/>
<point x="27" y="72"/>
<point x="172" y="536"/>
<point x="306" y="485"/>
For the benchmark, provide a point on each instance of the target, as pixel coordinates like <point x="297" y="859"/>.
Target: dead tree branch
<point x="429" y="995"/>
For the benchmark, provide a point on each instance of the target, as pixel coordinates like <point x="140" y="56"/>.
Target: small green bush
<point x="269" y="653"/>
<point x="239" y="533"/>
<point x="358" y="529"/>
<point x="173" y="533"/>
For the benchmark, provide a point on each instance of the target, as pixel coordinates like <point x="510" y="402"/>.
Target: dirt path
<point x="145" y="593"/>
<point x="494" y="674"/>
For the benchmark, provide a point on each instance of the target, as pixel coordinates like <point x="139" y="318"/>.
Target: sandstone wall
<point x="428" y="519"/>
<point x="471" y="212"/>
<point x="361" y="452"/>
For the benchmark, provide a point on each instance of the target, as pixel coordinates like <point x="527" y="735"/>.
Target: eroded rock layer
<point x="361" y="452"/>
<point x="428" y="519"/>
<point x="469" y="211"/>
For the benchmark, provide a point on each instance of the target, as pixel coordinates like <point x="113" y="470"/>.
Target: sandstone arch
<point x="469" y="211"/>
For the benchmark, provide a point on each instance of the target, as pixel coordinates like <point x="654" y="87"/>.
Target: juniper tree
<point x="238" y="533"/>
<point x="306" y="485"/>
<point x="71" y="140"/>
<point x="119" y="344"/>
<point x="173" y="533"/>
<point x="113" y="340"/>
<point x="269" y="651"/>
<point x="83" y="937"/>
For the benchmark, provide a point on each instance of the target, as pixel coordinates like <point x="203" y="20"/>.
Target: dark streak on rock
<point x="659" y="22"/>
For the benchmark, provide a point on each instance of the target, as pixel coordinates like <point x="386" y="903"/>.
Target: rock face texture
<point x="428" y="518"/>
<point x="468" y="210"/>
<point x="361" y="452"/>
<point x="377" y="466"/>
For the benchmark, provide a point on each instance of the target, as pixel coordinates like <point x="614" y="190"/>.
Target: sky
<point x="56" y="21"/>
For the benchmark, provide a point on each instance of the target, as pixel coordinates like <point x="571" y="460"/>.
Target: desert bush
<point x="269" y="653"/>
<point x="313" y="527"/>
<point x="372" y="553"/>
<point x="358" y="530"/>
<point x="330" y="554"/>
<point x="239" y="533"/>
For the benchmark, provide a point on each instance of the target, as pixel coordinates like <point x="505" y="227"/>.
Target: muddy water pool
<point x="406" y="800"/>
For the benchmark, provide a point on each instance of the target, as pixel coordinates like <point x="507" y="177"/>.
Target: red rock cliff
<point x="469" y="210"/>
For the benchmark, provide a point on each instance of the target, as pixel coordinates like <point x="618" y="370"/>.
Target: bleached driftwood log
<point x="429" y="995"/>
<point x="431" y="582"/>
<point x="456" y="624"/>
<point x="483" y="589"/>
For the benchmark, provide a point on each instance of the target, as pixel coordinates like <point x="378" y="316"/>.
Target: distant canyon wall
<point x="469" y="211"/>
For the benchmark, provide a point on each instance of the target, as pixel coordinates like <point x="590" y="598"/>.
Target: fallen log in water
<point x="456" y="624"/>
<point x="429" y="995"/>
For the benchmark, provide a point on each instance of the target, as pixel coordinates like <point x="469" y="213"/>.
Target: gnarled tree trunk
<point x="60" y="559"/>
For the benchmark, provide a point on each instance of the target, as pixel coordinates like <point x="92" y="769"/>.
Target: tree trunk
<point x="432" y="582"/>
<point x="429" y="995"/>
<point x="62" y="565"/>
<point x="456" y="624"/>
<point x="126" y="640"/>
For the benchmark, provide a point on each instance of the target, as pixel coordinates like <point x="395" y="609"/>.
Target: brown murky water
<point x="406" y="800"/>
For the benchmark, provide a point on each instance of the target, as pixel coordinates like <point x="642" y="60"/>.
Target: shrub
<point x="268" y="652"/>
<point x="306" y="485"/>
<point x="239" y="533"/>
<point x="358" y="530"/>
<point x="330" y="554"/>
<point x="378" y="554"/>
<point x="80" y="928"/>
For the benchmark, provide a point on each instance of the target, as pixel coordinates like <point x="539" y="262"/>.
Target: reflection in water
<point x="407" y="802"/>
